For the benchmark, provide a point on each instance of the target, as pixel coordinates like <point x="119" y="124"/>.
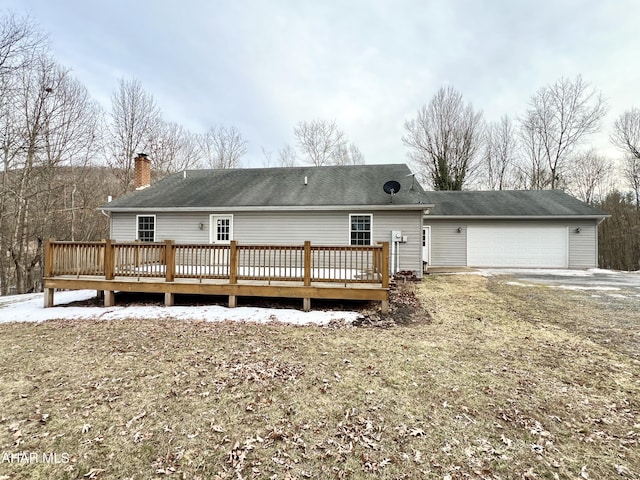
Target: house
<point x="329" y="206"/>
<point x="354" y="205"/>
<point x="249" y="233"/>
<point x="333" y="232"/>
<point x="522" y="228"/>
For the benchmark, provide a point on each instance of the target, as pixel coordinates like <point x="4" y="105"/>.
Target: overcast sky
<point x="263" y="66"/>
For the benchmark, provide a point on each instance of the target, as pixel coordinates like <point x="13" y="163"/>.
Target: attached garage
<point x="519" y="229"/>
<point x="517" y="246"/>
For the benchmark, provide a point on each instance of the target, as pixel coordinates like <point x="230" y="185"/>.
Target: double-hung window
<point x="360" y="228"/>
<point x="146" y="228"/>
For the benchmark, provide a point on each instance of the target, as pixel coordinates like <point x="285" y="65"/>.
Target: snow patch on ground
<point x="29" y="308"/>
<point x="540" y="271"/>
<point x="576" y="287"/>
<point x="520" y="284"/>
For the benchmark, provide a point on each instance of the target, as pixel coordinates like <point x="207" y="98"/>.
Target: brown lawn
<point x="490" y="381"/>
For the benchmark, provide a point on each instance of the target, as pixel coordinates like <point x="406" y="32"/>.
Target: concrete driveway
<point x="593" y="279"/>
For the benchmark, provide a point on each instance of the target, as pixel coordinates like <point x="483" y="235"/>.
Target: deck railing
<point x="169" y="261"/>
<point x="79" y="258"/>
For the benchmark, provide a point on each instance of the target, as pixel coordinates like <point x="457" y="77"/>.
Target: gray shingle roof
<point x="355" y="185"/>
<point x="509" y="203"/>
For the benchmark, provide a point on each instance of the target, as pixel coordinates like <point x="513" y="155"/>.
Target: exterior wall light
<point x="459" y="229"/>
<point x="201" y="226"/>
<point x="578" y="230"/>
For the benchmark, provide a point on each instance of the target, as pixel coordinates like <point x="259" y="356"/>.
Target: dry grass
<point x="500" y="384"/>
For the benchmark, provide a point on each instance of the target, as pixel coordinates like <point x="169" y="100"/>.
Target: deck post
<point x="169" y="298"/>
<point x="384" y="307"/>
<point x="307" y="263"/>
<point x="109" y="298"/>
<point x="48" y="257"/>
<point x="385" y="264"/>
<point x="136" y="254"/>
<point x="233" y="301"/>
<point x="233" y="263"/>
<point x="306" y="304"/>
<point x="48" y="297"/>
<point x="48" y="271"/>
<point x="169" y="262"/>
<point x="109" y="259"/>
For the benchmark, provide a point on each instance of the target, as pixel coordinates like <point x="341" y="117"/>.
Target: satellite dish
<point x="391" y="187"/>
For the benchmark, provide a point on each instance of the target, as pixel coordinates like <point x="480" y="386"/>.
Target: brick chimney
<point x="142" y="171"/>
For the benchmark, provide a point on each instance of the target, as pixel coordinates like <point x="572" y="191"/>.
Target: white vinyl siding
<point x="583" y="246"/>
<point x="330" y="228"/>
<point x="449" y="248"/>
<point x="410" y="223"/>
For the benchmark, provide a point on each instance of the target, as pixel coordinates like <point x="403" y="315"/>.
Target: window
<point x="146" y="228"/>
<point x="360" y="229"/>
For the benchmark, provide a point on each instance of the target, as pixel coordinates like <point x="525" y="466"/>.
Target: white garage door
<point x="517" y="246"/>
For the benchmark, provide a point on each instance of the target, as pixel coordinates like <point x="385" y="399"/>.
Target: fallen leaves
<point x="93" y="473"/>
<point x="455" y="398"/>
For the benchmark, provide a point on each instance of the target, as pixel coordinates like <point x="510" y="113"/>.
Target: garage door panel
<point x="517" y="246"/>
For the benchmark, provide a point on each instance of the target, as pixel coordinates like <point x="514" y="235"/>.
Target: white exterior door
<point x="221" y="229"/>
<point x="426" y="245"/>
<point x="220" y="233"/>
<point x="542" y="246"/>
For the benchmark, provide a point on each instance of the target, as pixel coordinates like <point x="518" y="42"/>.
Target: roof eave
<point x="259" y="208"/>
<point x="517" y="217"/>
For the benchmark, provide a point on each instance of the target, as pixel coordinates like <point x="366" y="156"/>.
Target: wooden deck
<point x="300" y="271"/>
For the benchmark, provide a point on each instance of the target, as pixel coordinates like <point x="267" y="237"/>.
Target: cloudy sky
<point x="263" y="66"/>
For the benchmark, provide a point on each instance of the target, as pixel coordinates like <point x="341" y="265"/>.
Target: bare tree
<point x="560" y="117"/>
<point x="135" y="118"/>
<point x="319" y="141"/>
<point x="589" y="175"/>
<point x="626" y="136"/>
<point x="631" y="172"/>
<point x="500" y="155"/>
<point x="626" y="132"/>
<point x="223" y="147"/>
<point x="287" y="156"/>
<point x="444" y="140"/>
<point x="268" y="157"/>
<point x="20" y="44"/>
<point x="173" y="148"/>
<point x="347" y="155"/>
<point x="618" y="237"/>
<point x="19" y="41"/>
<point x="51" y="130"/>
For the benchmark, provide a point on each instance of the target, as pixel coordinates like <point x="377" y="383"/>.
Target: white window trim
<point x="155" y="226"/>
<point x="370" y="215"/>
<point x="212" y="228"/>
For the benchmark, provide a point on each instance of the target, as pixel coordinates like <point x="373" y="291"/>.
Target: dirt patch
<point x="405" y="309"/>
